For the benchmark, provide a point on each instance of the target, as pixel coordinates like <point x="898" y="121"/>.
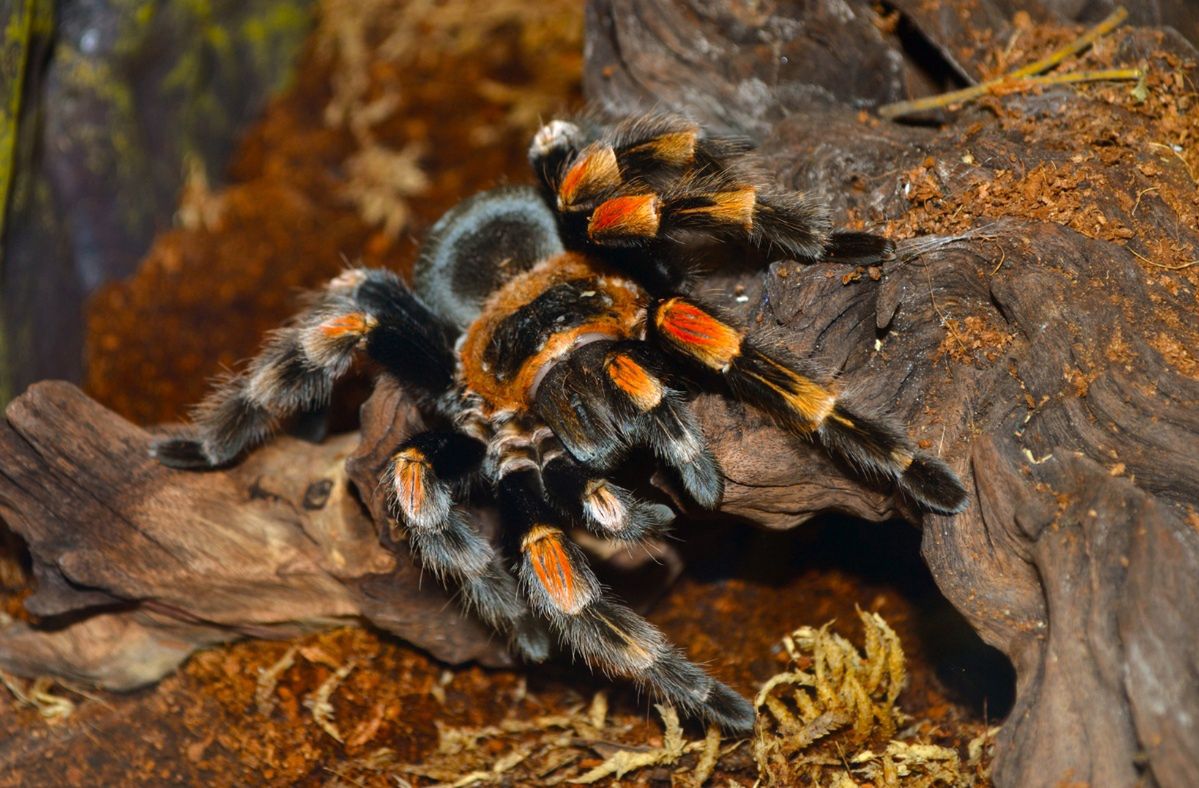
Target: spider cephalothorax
<point x="552" y="332"/>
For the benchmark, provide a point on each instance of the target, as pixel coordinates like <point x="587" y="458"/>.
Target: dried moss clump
<point x="560" y="749"/>
<point x="833" y="720"/>
<point x="382" y="50"/>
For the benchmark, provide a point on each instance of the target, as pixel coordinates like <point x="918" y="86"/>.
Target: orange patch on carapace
<point x="698" y="334"/>
<point x="594" y="171"/>
<point x="633" y="379"/>
<point x="621" y="218"/>
<point x="624" y="319"/>
<point x="551" y="564"/>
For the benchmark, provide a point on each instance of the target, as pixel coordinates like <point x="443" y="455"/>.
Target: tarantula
<point x="553" y="331"/>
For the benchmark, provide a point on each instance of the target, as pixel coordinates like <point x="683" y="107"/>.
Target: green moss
<point x="24" y="22"/>
<point x="273" y="36"/>
<point x="14" y="54"/>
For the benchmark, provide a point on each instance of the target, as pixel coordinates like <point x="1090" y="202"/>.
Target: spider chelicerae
<point x="550" y="333"/>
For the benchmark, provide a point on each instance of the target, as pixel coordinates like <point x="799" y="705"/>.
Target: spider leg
<point x="607" y="398"/>
<point x="713" y="207"/>
<point x="418" y="481"/>
<point x="645" y="149"/>
<point x="663" y="178"/>
<point x="603" y="507"/>
<point x="782" y="386"/>
<point x="295" y="370"/>
<point x="556" y="579"/>
<point x="858" y="248"/>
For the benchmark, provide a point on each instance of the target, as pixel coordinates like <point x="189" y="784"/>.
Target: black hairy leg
<point x="607" y="399"/>
<point x="784" y="388"/>
<point x="419" y="481"/>
<point x="857" y="248"/>
<point x="295" y="371"/>
<point x="599" y="504"/>
<point x="560" y="586"/>
<point x="662" y="177"/>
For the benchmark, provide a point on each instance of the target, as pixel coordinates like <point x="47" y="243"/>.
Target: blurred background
<point x="228" y="153"/>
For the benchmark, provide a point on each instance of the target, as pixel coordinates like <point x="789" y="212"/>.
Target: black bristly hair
<point x="479" y="244"/>
<point x="561" y="586"/>
<point x="858" y="248"/>
<point x="295" y="371"/>
<point x="522" y="333"/>
<point x="600" y="505"/>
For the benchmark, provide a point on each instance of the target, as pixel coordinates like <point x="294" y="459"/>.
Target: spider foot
<point x="603" y="507"/>
<point x="182" y="453"/>
<point x="610" y="637"/>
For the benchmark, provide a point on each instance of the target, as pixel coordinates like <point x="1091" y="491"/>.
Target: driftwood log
<point x="1037" y="329"/>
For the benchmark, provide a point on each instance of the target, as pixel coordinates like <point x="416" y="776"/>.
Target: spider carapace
<point x="550" y="332"/>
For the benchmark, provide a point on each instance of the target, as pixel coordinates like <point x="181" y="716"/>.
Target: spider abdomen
<point x="538" y="318"/>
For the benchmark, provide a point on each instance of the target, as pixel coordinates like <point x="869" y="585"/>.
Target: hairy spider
<point x="552" y="332"/>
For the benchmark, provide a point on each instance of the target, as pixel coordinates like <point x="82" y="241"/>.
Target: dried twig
<point x="1026" y="77"/>
<point x="1005" y="84"/>
<point x="1113" y="20"/>
<point x="319" y="704"/>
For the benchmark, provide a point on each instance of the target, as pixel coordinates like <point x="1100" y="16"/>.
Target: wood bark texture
<point x="1040" y="351"/>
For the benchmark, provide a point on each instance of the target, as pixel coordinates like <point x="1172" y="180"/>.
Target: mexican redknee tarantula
<point x="552" y="332"/>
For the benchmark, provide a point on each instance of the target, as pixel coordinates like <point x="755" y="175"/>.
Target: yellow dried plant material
<point x="836" y="699"/>
<point x="542" y="751"/>
<point x="381" y="182"/>
<point x="979" y="752"/>
<point x="708" y="757"/>
<point x="621" y="763"/>
<point x="831" y="719"/>
<point x="377" y="47"/>
<point x="908" y="764"/>
<point x="537" y="749"/>
<point x="320" y="705"/>
<point x="50" y="707"/>
<point x="842" y="687"/>
<point x="268" y="680"/>
<point x="597" y="715"/>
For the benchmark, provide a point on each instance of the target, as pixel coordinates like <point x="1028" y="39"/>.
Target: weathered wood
<point x="146" y="564"/>
<point x="1032" y="345"/>
<point x="1079" y="556"/>
<point x="137" y="565"/>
